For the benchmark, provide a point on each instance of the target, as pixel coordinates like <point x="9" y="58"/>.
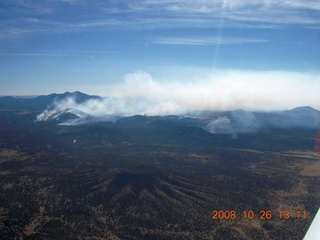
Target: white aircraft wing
<point x="313" y="232"/>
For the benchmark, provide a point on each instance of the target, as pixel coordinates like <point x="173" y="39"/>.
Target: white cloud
<point x="207" y="6"/>
<point x="54" y="53"/>
<point x="204" y="40"/>
<point x="91" y="15"/>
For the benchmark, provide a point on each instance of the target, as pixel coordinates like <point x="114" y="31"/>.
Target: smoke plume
<point x="140" y="93"/>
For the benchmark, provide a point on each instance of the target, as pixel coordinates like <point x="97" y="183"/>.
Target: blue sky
<point x="98" y="46"/>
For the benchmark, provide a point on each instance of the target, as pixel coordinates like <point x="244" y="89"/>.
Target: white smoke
<point x="140" y="93"/>
<point x="112" y="106"/>
<point x="219" y="123"/>
<point x="226" y="90"/>
<point x="59" y="107"/>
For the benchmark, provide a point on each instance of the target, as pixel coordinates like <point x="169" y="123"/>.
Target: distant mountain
<point x="11" y="103"/>
<point x="70" y="109"/>
<point x="43" y="102"/>
<point x="297" y="117"/>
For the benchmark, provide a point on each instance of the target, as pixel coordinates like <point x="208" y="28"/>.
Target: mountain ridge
<point x="57" y="109"/>
<point x="80" y="97"/>
<point x="43" y="101"/>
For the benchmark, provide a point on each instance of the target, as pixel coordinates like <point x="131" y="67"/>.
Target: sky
<point x="218" y="54"/>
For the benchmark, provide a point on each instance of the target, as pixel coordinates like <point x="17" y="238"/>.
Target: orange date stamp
<point x="262" y="214"/>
